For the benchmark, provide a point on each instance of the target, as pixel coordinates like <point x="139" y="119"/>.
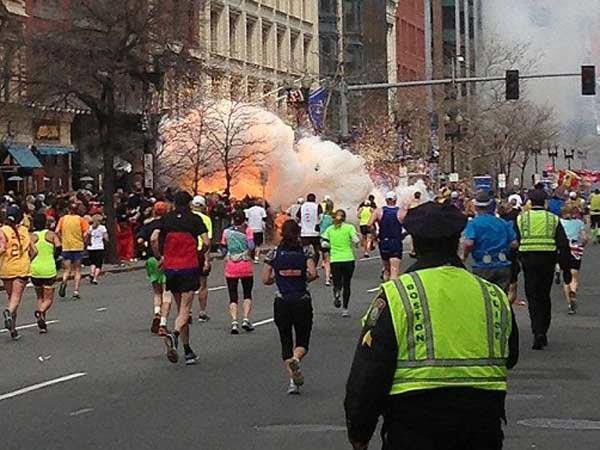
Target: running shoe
<point x="327" y="282"/>
<point x="41" y="322"/>
<point x="163" y="331"/>
<point x="345" y="313"/>
<point x="14" y="335"/>
<point x="256" y="260"/>
<point x="336" y="298"/>
<point x="366" y="255"/>
<point x="94" y="282"/>
<point x="234" y="328"/>
<point x="297" y="377"/>
<point x="557" y="277"/>
<point x="8" y="320"/>
<point x="190" y="320"/>
<point x="171" y="344"/>
<point x="247" y="325"/>
<point x="155" y="324"/>
<point x="293" y="389"/>
<point x="76" y="295"/>
<point x="62" y="290"/>
<point x="203" y="317"/>
<point x="191" y="358"/>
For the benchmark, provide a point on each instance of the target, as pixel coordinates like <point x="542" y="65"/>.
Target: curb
<point x="114" y="270"/>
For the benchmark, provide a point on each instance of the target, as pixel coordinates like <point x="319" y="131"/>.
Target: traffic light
<point x="512" y="85"/>
<point x="588" y="80"/>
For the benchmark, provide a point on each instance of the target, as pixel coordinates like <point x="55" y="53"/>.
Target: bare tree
<point x="235" y="132"/>
<point x="187" y="154"/>
<point x="109" y="59"/>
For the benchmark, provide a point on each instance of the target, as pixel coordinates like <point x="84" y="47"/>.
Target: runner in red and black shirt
<point x="175" y="243"/>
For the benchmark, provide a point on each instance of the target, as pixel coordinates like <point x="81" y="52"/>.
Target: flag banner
<point x="316" y="108"/>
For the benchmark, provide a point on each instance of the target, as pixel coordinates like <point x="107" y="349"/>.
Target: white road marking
<point x="373" y="290"/>
<point x="370" y="258"/>
<point x="31" y="325"/>
<point x="101" y="309"/>
<point x="264" y="322"/>
<point x="36" y="387"/>
<point x="217" y="288"/>
<point x="80" y="412"/>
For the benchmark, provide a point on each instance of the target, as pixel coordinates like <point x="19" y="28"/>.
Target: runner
<point x="365" y="211"/>
<point x="72" y="230"/>
<point x="176" y="243"/>
<point x="595" y="214"/>
<point x="98" y="236"/>
<point x="43" y="268"/>
<point x="326" y="222"/>
<point x="238" y="245"/>
<point x="340" y="237"/>
<point x="293" y="210"/>
<point x="256" y="216"/>
<point x="291" y="266"/>
<point x="389" y="218"/>
<point x="309" y="216"/>
<point x="16" y="252"/>
<point x="199" y="208"/>
<point x="161" y="300"/>
<point x="571" y="261"/>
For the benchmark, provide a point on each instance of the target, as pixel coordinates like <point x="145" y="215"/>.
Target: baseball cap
<point x="391" y="195"/>
<point x="482" y="199"/>
<point x="198" y="201"/>
<point x="573" y="195"/>
<point x="454" y="194"/>
<point x="13" y="213"/>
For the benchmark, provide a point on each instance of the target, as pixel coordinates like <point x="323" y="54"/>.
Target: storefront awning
<point x="24" y="157"/>
<point x="54" y="150"/>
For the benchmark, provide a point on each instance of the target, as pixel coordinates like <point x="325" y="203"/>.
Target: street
<point x="108" y="383"/>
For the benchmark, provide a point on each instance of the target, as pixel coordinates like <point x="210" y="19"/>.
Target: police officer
<point x="432" y="358"/>
<point x="291" y="266"/>
<point x="541" y="237"/>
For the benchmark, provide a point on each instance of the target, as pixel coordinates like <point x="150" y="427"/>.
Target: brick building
<point x="410" y="40"/>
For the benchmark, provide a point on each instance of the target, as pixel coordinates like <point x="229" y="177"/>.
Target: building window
<point x="280" y="48"/>
<point x="308" y="42"/>
<point x="215" y="15"/>
<point x="266" y="37"/>
<point x="250" y="40"/>
<point x="296" y="55"/>
<point x="234" y="20"/>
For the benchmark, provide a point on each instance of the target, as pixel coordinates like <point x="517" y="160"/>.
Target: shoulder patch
<point x="377" y="308"/>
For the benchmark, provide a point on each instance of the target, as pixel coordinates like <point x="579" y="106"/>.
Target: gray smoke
<point x="563" y="35"/>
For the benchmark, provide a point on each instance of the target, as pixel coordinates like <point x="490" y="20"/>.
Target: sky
<point x="560" y="32"/>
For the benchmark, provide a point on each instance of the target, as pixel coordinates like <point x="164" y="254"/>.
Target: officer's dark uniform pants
<point x="293" y="313"/>
<point x="539" y="275"/>
<point x="403" y="437"/>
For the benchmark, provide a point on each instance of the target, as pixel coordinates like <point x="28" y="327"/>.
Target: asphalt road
<point x="109" y="385"/>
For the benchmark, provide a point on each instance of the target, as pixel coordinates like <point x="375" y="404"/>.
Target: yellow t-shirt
<point x="15" y="261"/>
<point x="72" y="229"/>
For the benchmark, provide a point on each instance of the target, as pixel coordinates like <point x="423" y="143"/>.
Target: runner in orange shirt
<point x="72" y="230"/>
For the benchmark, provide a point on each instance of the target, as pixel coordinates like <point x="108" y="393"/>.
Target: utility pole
<point x="467" y="16"/>
<point x="428" y="53"/>
<point x="344" y="129"/>
<point x="457" y="28"/>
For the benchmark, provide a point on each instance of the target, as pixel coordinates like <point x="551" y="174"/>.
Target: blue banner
<point x="316" y="108"/>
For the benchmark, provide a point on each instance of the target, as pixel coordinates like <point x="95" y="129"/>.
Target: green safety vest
<point x="538" y="230"/>
<point x="452" y="329"/>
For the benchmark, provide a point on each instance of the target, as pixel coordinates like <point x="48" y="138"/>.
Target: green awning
<point x="24" y="157"/>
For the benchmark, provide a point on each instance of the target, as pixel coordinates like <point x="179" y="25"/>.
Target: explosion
<point x="256" y="147"/>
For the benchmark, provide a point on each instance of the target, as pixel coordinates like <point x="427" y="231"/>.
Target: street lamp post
<point x="569" y="155"/>
<point x="553" y="154"/>
<point x="455" y="120"/>
<point x="536" y="150"/>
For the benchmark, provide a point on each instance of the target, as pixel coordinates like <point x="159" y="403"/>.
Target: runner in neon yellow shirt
<point x="199" y="208"/>
<point x="341" y="237"/>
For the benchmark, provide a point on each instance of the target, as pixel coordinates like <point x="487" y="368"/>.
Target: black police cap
<point x="435" y="221"/>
